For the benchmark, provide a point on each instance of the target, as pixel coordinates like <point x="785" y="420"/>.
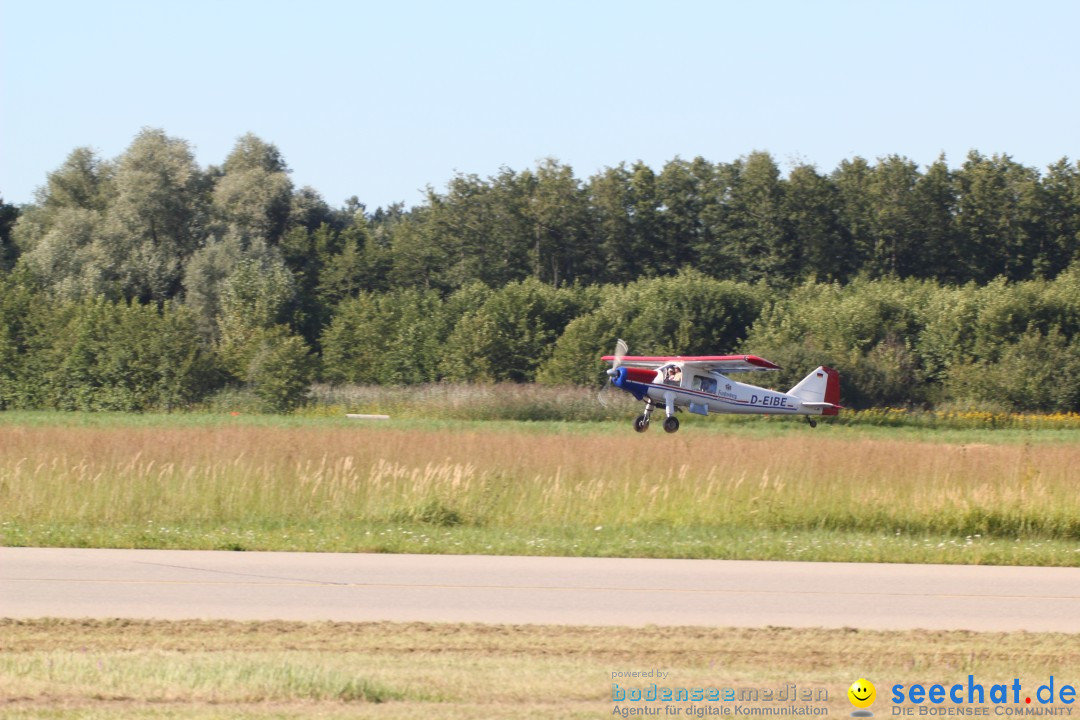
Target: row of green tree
<point x="895" y="342"/>
<point x="149" y="281"/>
<point x="153" y="225"/>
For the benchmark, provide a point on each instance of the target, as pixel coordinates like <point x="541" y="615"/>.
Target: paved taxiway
<point x="172" y="584"/>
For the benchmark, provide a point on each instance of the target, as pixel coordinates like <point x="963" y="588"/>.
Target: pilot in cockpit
<point x="673" y="375"/>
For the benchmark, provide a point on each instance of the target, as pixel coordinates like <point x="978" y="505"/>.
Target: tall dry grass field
<point x="143" y="483"/>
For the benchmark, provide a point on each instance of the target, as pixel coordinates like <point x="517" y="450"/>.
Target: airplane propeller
<point x="620" y="353"/>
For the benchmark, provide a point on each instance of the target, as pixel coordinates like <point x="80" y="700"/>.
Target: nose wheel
<point x="641" y="422"/>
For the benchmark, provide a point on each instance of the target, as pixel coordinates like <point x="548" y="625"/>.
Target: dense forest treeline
<point x="149" y="282"/>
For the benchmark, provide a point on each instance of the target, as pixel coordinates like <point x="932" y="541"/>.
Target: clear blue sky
<point x="380" y="99"/>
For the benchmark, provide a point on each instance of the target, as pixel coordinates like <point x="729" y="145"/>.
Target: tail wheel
<point x="671" y="424"/>
<point x="641" y="423"/>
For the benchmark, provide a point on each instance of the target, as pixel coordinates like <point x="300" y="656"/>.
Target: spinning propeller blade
<point x="620" y="353"/>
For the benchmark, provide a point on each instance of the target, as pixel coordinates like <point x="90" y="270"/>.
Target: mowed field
<point x="64" y="669"/>
<point x="775" y="490"/>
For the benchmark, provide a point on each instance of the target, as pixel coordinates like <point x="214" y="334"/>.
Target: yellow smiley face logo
<point x="861" y="693"/>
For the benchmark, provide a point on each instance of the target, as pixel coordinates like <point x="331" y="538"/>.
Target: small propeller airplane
<point x="699" y="384"/>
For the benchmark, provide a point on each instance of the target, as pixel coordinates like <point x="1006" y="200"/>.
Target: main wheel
<point x="641" y="423"/>
<point x="671" y="424"/>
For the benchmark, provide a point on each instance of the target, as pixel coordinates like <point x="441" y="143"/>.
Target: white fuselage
<point x="710" y="392"/>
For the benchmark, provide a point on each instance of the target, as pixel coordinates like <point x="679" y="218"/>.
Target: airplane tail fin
<point x="820" y="389"/>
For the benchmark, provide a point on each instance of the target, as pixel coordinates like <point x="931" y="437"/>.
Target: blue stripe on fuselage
<point x="639" y="390"/>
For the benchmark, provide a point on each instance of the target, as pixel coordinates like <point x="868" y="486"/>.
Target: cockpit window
<point x="672" y="374"/>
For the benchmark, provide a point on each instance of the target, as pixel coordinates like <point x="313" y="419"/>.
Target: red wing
<point x="708" y="363"/>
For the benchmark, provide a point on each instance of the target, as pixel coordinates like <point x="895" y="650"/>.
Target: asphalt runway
<point x="173" y="584"/>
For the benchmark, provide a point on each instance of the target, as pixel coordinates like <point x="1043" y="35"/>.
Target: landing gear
<point x="811" y="421"/>
<point x="641" y="422"/>
<point x="671" y="423"/>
